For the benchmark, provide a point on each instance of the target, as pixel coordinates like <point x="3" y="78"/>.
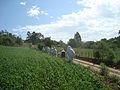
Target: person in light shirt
<point x="70" y="53"/>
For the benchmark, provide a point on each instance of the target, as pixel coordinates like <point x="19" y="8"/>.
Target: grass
<point x="28" y="69"/>
<point x="82" y="52"/>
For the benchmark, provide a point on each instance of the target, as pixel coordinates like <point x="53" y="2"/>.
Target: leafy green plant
<point x="41" y="45"/>
<point x="25" y="68"/>
<point x="103" y="69"/>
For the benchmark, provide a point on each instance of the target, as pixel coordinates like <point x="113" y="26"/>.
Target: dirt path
<point x="96" y="67"/>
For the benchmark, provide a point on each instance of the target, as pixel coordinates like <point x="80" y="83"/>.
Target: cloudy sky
<point x="60" y="19"/>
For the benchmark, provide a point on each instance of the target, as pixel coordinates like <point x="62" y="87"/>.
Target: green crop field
<point x="27" y="69"/>
<point x="83" y="52"/>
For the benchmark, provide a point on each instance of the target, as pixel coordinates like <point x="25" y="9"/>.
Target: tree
<point x="88" y="44"/>
<point x="72" y="43"/>
<point x="8" y="39"/>
<point x="47" y="42"/>
<point x="103" y="52"/>
<point x="77" y="37"/>
<point x="34" y="37"/>
<point x="61" y="43"/>
<point x="28" y="36"/>
<point x="19" y="40"/>
<point x="41" y="45"/>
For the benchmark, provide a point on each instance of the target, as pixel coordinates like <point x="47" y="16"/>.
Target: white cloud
<point x="100" y="19"/>
<point x="78" y="2"/>
<point x="23" y="3"/>
<point x="51" y="17"/>
<point x="35" y="11"/>
<point x="44" y="12"/>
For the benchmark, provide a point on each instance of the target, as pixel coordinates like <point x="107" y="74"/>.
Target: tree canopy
<point x="8" y="39"/>
<point x="76" y="41"/>
<point x="34" y="37"/>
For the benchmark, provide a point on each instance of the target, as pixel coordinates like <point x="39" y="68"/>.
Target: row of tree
<point x="38" y="39"/>
<point x="8" y="39"/>
<point x="77" y="42"/>
<point x="103" y="50"/>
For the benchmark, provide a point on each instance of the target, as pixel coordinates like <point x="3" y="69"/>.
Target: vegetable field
<point x="27" y="69"/>
<point x="88" y="53"/>
<point x="82" y="52"/>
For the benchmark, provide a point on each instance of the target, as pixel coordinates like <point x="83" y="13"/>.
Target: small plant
<point x="103" y="69"/>
<point x="114" y="79"/>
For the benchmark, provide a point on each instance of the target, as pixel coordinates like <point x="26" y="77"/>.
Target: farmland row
<point x="23" y="68"/>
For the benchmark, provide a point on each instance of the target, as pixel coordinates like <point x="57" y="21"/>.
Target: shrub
<point x="103" y="69"/>
<point x="103" y="53"/>
<point x="110" y="57"/>
<point x="7" y="41"/>
<point x="40" y="46"/>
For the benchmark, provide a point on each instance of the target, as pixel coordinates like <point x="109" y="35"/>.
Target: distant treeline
<point x="8" y="39"/>
<point x="38" y="39"/>
<point x="105" y="51"/>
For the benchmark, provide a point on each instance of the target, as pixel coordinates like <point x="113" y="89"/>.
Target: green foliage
<point x="83" y="52"/>
<point x="41" y="45"/>
<point x="97" y="55"/>
<point x="8" y="39"/>
<point x="47" y="42"/>
<point x="72" y="43"/>
<point x="19" y="41"/>
<point x="103" y="69"/>
<point x="76" y="41"/>
<point x="101" y="51"/>
<point x="77" y="37"/>
<point x="27" y="69"/>
<point x="34" y="37"/>
<point x="88" y="44"/>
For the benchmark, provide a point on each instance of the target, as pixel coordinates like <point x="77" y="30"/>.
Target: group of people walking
<point x="69" y="53"/>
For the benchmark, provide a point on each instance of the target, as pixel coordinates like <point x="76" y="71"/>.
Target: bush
<point x="7" y="41"/>
<point x="115" y="79"/>
<point x="103" y="69"/>
<point x="103" y="53"/>
<point x="110" y="58"/>
<point x="41" y="45"/>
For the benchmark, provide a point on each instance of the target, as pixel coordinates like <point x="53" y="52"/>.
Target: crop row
<point x="22" y="68"/>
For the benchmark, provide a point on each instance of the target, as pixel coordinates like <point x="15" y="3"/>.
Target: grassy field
<point x="27" y="69"/>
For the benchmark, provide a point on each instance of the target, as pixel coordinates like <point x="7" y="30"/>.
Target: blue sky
<point x="60" y="19"/>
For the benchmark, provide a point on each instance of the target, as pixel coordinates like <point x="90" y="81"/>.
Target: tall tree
<point x="34" y="37"/>
<point x="19" y="40"/>
<point x="77" y="37"/>
<point x="28" y="35"/>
